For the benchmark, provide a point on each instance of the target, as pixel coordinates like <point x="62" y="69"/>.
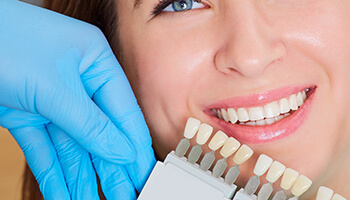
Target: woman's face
<point x="224" y="54"/>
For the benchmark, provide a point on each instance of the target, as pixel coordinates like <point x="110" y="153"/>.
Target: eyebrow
<point x="137" y="3"/>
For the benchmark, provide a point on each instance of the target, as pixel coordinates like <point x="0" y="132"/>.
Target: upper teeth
<point x="263" y="115"/>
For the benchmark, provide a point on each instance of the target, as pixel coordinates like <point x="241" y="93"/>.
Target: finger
<point x="13" y="119"/>
<point x="114" y="180"/>
<point x="106" y="82"/>
<point x="42" y="160"/>
<point x="54" y="89"/>
<point x="69" y="107"/>
<point x="76" y="165"/>
<point x="139" y="170"/>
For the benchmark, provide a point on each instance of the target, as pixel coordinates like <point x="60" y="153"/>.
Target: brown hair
<point x="101" y="13"/>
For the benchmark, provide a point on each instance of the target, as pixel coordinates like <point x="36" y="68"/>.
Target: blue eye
<point x="183" y="5"/>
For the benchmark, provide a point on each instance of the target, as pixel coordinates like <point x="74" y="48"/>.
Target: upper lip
<point x="258" y="99"/>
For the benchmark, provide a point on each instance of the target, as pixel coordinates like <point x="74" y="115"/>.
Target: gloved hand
<point x="67" y="102"/>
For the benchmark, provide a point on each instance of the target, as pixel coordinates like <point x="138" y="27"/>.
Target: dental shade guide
<point x="275" y="172"/>
<point x="182" y="178"/>
<point x="242" y="155"/>
<point x="231" y="145"/>
<point x="203" y="135"/>
<point x="262" y="165"/>
<point x="191" y="129"/>
<point x="216" y="142"/>
<point x="325" y="193"/>
<point x="301" y="185"/>
<point x="189" y="179"/>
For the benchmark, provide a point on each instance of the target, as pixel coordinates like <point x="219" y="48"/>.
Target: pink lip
<point x="268" y="133"/>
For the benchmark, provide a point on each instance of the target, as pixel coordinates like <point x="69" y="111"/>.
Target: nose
<point x="250" y="43"/>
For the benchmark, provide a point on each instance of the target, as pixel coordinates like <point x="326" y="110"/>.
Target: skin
<point x="180" y="63"/>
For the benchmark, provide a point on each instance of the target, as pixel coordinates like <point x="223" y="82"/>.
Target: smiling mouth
<point x="267" y="114"/>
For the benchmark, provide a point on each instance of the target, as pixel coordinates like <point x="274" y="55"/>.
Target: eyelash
<point x="165" y="3"/>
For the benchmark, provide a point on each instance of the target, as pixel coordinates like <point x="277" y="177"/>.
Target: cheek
<point x="167" y="70"/>
<point x="323" y="39"/>
<point x="323" y="36"/>
<point x="169" y="63"/>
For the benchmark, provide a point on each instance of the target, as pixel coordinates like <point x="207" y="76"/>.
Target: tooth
<point x="269" y="121"/>
<point x="231" y="145"/>
<point x="256" y="113"/>
<point x="279" y="118"/>
<point x="261" y="123"/>
<point x="218" y="140"/>
<point x="232" y="115"/>
<point x="192" y="126"/>
<point x="262" y="165"/>
<point x="242" y="115"/>
<point x="293" y="102"/>
<point x="324" y="193"/>
<point x="301" y="185"/>
<point x="300" y="100"/>
<point x="271" y="110"/>
<point x="219" y="114"/>
<point x="224" y="114"/>
<point x="215" y="112"/>
<point x="275" y="172"/>
<point x="289" y="178"/>
<point x="243" y="154"/>
<point x="250" y="123"/>
<point x="303" y="94"/>
<point x="204" y="133"/>
<point x="284" y="105"/>
<point x="338" y="197"/>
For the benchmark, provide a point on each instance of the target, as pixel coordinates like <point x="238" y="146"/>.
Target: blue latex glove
<point x="67" y="102"/>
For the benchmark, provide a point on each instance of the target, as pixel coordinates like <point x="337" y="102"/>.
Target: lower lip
<point x="263" y="134"/>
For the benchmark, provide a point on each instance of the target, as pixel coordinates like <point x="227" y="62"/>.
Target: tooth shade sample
<point x="338" y="197"/>
<point x="288" y="179"/>
<point x="324" y="193"/>
<point x="231" y="145"/>
<point x="262" y="165"/>
<point x="293" y="102"/>
<point x="204" y="133"/>
<point x="232" y="115"/>
<point x="271" y="110"/>
<point x="284" y="105"/>
<point x="242" y="115"/>
<point x="243" y="154"/>
<point x="224" y="114"/>
<point x="300" y="100"/>
<point x="301" y="185"/>
<point x="218" y="140"/>
<point x="191" y="127"/>
<point x="256" y="113"/>
<point x="275" y="172"/>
